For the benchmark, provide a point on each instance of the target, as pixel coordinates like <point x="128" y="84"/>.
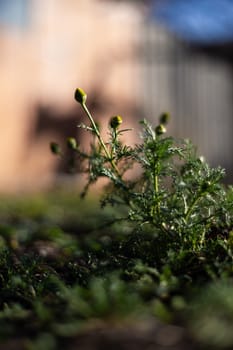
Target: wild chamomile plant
<point x="176" y="192"/>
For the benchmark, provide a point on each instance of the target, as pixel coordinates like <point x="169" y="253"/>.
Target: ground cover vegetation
<point x="151" y="266"/>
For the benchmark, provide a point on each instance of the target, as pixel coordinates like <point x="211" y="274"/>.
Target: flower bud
<point x="160" y="129"/>
<point x="164" y="118"/>
<point x="115" y="121"/>
<point x="55" y="148"/>
<point x="71" y="143"/>
<point x="80" y="96"/>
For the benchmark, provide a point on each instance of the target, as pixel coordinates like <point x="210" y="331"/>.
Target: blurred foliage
<point x="66" y="271"/>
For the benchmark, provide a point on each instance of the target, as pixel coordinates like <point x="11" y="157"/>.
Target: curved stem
<point x="93" y="124"/>
<point x="190" y="209"/>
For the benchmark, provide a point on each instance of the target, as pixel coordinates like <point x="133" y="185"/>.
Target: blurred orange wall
<point x="85" y="43"/>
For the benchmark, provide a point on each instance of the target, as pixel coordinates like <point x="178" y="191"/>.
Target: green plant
<point x="176" y="193"/>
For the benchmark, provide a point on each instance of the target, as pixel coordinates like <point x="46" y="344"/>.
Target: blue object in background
<point x="14" y="13"/>
<point x="201" y="21"/>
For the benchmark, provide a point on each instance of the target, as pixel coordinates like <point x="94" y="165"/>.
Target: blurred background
<point x="133" y="58"/>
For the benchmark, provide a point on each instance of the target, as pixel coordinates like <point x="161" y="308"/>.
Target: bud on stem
<point x="160" y="129"/>
<point x="164" y="118"/>
<point x="71" y="143"/>
<point x="115" y="121"/>
<point x="55" y="148"/>
<point x="80" y="96"/>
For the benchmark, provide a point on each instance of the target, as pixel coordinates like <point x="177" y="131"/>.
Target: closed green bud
<point x="116" y="121"/>
<point x="164" y="118"/>
<point x="160" y="129"/>
<point x="80" y="96"/>
<point x="55" y="148"/>
<point x="71" y="143"/>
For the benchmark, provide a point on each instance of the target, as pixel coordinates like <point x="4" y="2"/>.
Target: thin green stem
<point x="190" y="209"/>
<point x="156" y="184"/>
<point x="156" y="207"/>
<point x="93" y="124"/>
<point x="157" y="191"/>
